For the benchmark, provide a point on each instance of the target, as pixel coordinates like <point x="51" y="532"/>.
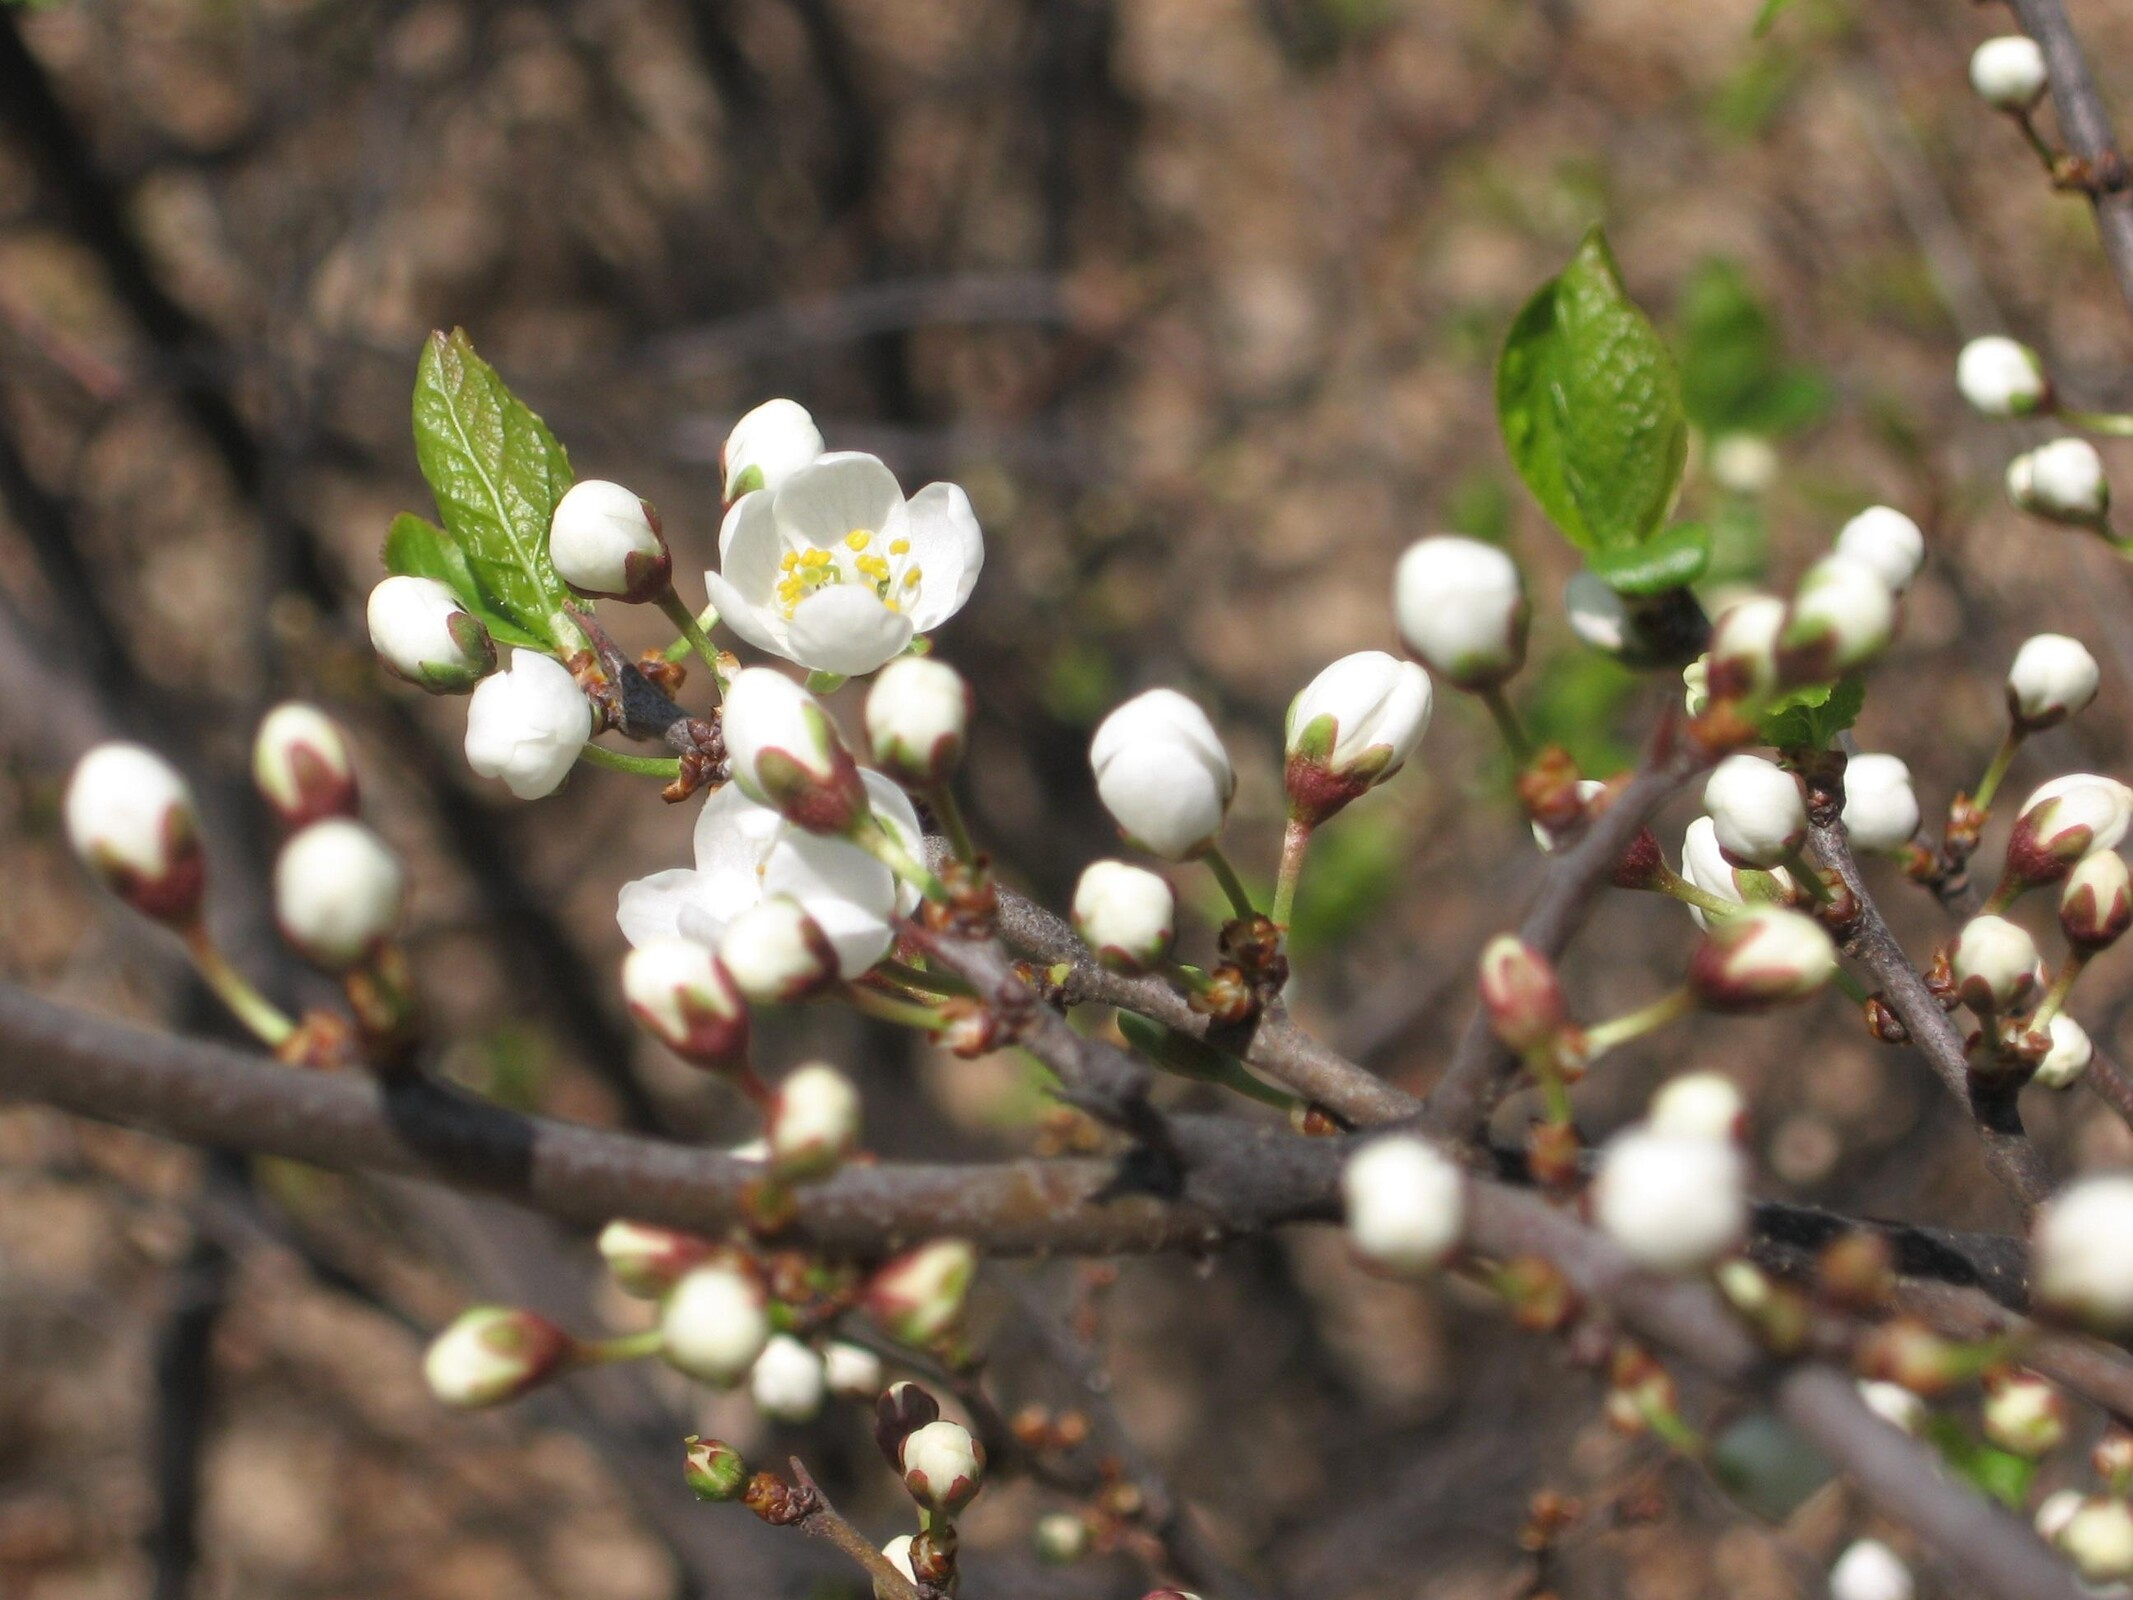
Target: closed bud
<point x="1756" y="811"/>
<point x="1842" y="615"/>
<point x="1742" y="660"/>
<point x="1744" y="463"/>
<point x="713" y="1470"/>
<point x="2111" y="1457"/>
<point x="1462" y="609"/>
<point x="2063" y="481"/>
<point x="1994" y="966"/>
<point x="1674" y="1204"/>
<point x="2001" y="378"/>
<point x="1870" y="1570"/>
<point x="813" y="1123"/>
<point x="1704" y="864"/>
<point x="1523" y="996"/>
<point x="647" y="1261"/>
<point x="683" y="997"/>
<point x="1060" y="1538"/>
<point x="900" y="1411"/>
<point x="1763" y="956"/>
<point x="1888" y="541"/>
<point x="1880" y="805"/>
<point x="337" y="893"/>
<point x="1352" y="727"/>
<point x="787" y="755"/>
<point x="919" y="1295"/>
<point x="2052" y="678"/>
<point x="1128" y="916"/>
<point x="2008" y="72"/>
<point x="2063" y="822"/>
<point x="1698" y="1105"/>
<point x="526" y="724"/>
<point x="776" y="954"/>
<point x="1894" y="1404"/>
<point x="898" y="1553"/>
<point x="131" y="821"/>
<point x="606" y="544"/>
<point x="2096" y="906"/>
<point x="787" y="1382"/>
<point x="853" y="1371"/>
<point x="1163" y="775"/>
<point x="2081" y="1252"/>
<point x="2055" y="1511"/>
<point x="2098" y="1539"/>
<point x="943" y="1467"/>
<point x="1406" y="1205"/>
<point x="2024" y="1415"/>
<point x="424" y="634"/>
<point x="767" y="446"/>
<point x="2068" y="1056"/>
<point x="492" y="1354"/>
<point x="714" y="1324"/>
<point x="918" y="720"/>
<point x="301" y="766"/>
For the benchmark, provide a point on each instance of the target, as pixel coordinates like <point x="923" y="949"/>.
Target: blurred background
<point x="1199" y="299"/>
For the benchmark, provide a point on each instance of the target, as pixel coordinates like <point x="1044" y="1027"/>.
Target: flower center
<point x="893" y="577"/>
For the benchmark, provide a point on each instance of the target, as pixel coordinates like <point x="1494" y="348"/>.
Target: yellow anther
<point x="788" y="561"/>
<point x="815" y="558"/>
<point x="911" y="578"/>
<point x="899" y="547"/>
<point x="858" y="539"/>
<point x="891" y="604"/>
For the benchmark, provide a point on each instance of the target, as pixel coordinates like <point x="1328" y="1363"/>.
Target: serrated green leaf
<point x="497" y="473"/>
<point x="1810" y="718"/>
<point x="418" y="548"/>
<point x="1589" y="403"/>
<point x="1671" y="560"/>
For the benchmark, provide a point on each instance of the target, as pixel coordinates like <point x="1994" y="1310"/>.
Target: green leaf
<point x="1734" y="378"/>
<point x="418" y="548"/>
<point x="497" y="473"/>
<point x="1999" y="1473"/>
<point x="1809" y="718"/>
<point x="1188" y="1057"/>
<point x="1589" y="403"/>
<point x="1672" y="560"/>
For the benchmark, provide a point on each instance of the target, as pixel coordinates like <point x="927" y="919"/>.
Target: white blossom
<point x="919" y="1295"/>
<point x="2008" y="72"/>
<point x="1894" y="1404"/>
<point x="1995" y="964"/>
<point x="918" y="720"/>
<point x="714" y="1324"/>
<point x="2024" y="1415"/>
<point x="1756" y="810"/>
<point x="776" y="953"/>
<point x="943" y="1466"/>
<point x="1462" y="609"/>
<point x="1406" y="1204"/>
<point x="2064" y="821"/>
<point x="423" y="634"/>
<point x="527" y="724"/>
<point x="1698" y="1105"/>
<point x="131" y="821"/>
<point x="787" y="754"/>
<point x="1705" y="865"/>
<point x="2052" y="677"/>
<point x="606" y="542"/>
<point x="1744" y="463"/>
<point x="1597" y="614"/>
<point x="788" y="1382"/>
<point x="1870" y="1570"/>
<point x="301" y="765"/>
<point x="1361" y="717"/>
<point x="1888" y="541"/>
<point x="1673" y="1203"/>
<point x="1761" y="956"/>
<point x="853" y="1370"/>
<point x="1741" y="663"/>
<point x="813" y="1122"/>
<point x="1127" y="915"/>
<point x="2081" y="1250"/>
<point x="1880" y="806"/>
<point x="767" y="446"/>
<point x="2062" y="481"/>
<point x="680" y="994"/>
<point x="2001" y="378"/>
<point x="491" y="1354"/>
<point x="2098" y="1539"/>
<point x="337" y="892"/>
<point x="1842" y="615"/>
<point x="1162" y="773"/>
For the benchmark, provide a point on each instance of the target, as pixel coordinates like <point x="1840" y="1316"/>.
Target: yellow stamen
<point x="899" y="547"/>
<point x="815" y="558"/>
<point x="911" y="578"/>
<point x="788" y="561"/>
<point x="858" y="539"/>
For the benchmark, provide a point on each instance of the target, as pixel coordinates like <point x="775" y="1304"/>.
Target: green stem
<point x="692" y="631"/>
<point x="884" y="847"/>
<point x="1669" y="882"/>
<point x="1671" y="1007"/>
<point x="1232" y="885"/>
<point x="266" y="1021"/>
<point x="598" y="755"/>
<point x="2037" y="142"/>
<point x="1851" y="988"/>
<point x="2117" y="424"/>
<point x="2002" y="759"/>
<point x="940" y="983"/>
<point x="1672" y="1429"/>
<point x="1295" y="840"/>
<point x="1806" y="875"/>
<point x="2055" y="997"/>
<point x="621" y="1347"/>
<point x="2006" y="894"/>
<point x="1507" y="723"/>
<point x="887" y="1008"/>
<point x="941" y="798"/>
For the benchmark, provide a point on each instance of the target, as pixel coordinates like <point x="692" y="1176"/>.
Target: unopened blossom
<point x="606" y="543"/>
<point x="1880" y="805"/>
<point x="919" y="1295"/>
<point x="812" y="1123"/>
<point x="788" y="1382"/>
<point x="788" y="755"/>
<point x="646" y="1261"/>
<point x="898" y="1554"/>
<point x="301" y="766"/>
<point x="1522" y="994"/>
<point x="1741" y="663"/>
<point x="2008" y="72"/>
<point x="714" y="1324"/>
<point x="2001" y="378"/>
<point x="1995" y="965"/>
<point x="943" y="1467"/>
<point x="1674" y="1203"/>
<point x="1162" y="773"/>
<point x="714" y="1470"/>
<point x="746" y="853"/>
<point x="1761" y="956"/>
<point x="2098" y="1539"/>
<point x="852" y="1370"/>
<point x="1060" y="1538"/>
<point x="1352" y="727"/>
<point x="1704" y="864"/>
<point x="767" y="446"/>
<point x="2055" y="1511"/>
<point x="1894" y="1404"/>
<point x="2069" y="1056"/>
<point x="424" y="634"/>
<point x="1462" y="609"/>
<point x="1756" y="810"/>
<point x="526" y="724"/>
<point x="1870" y="1570"/>
<point x="2052" y="677"/>
<point x="1698" y="1105"/>
<point x="131" y="821"/>
<point x="2024" y="1415"/>
<point x="918" y="720"/>
<point x="679" y="994"/>
<point x="901" y="1410"/>
<point x="1406" y="1204"/>
<point x="1127" y="915"/>
<point x="776" y="953"/>
<point x="1744" y="463"/>
<point x="1842" y="614"/>
<point x="491" y="1354"/>
<point x="836" y="570"/>
<point x="2064" y="821"/>
<point x="2096" y="905"/>
<point x="2062" y="481"/>
<point x="1886" y="540"/>
<point x="2081" y="1251"/>
<point x="338" y="892"/>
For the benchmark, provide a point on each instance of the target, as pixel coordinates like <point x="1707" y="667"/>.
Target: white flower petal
<point x="749" y="547"/>
<point x="845" y="628"/>
<point x="756" y="624"/>
<point x="842" y="491"/>
<point x="948" y="547"/>
<point x="650" y="908"/>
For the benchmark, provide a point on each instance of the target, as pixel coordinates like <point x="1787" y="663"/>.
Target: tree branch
<point x="2087" y="127"/>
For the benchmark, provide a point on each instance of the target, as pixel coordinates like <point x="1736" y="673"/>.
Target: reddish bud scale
<point x="646" y="1261"/>
<point x="1316" y="793"/>
<point x="834" y="803"/>
<point x="172" y="896"/>
<point x="1548" y="789"/>
<point x="1642" y="864"/>
<point x="715" y="1043"/>
<point x="2090" y="926"/>
<point x="322" y="789"/>
<point x="900" y="1411"/>
<point x="1523" y="995"/>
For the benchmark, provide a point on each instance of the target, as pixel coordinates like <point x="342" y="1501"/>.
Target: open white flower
<point x="836" y="570"/>
<point x="746" y="853"/>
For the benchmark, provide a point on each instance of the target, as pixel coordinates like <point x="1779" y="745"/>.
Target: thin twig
<point x="2087" y="128"/>
<point x="824" y="1521"/>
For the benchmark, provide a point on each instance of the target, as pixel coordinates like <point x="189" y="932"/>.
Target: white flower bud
<point x="301" y="766"/>
<point x="853" y="1371"/>
<point x="2064" y="821"/>
<point x="1756" y="810"/>
<point x="1995" y="965"/>
<point x="491" y="1354"/>
<point x="2055" y="1511"/>
<point x="1744" y="463"/>
<point x="767" y="446"/>
<point x="1870" y="1570"/>
<point x="2052" y="678"/>
<point x="2081" y="1251"/>
<point x="2025" y="1416"/>
<point x="1406" y="1205"/>
<point x="646" y="1261"/>
<point x="1696" y="686"/>
<point x="813" y="1122"/>
<point x="776" y="953"/>
<point x="1162" y="773"/>
<point x="2069" y="1055"/>
<point x="527" y="724"/>
<point x="2063" y="481"/>
<point x="423" y="634"/>
<point x="1705" y="865"/>
<point x="1698" y="1105"/>
<point x="919" y="1296"/>
<point x="1596" y="613"/>
<point x="606" y="543"/>
<point x="1674" y="1204"/>
<point x="680" y="995"/>
<point x="788" y="1382"/>
<point x="1462" y="609"/>
<point x="2098" y="1539"/>
<point x="918" y="720"/>
<point x="787" y="755"/>
<point x="2096" y="906"/>
<point x="1127" y="915"/>
<point x="1888" y="541"/>
<point x="1060" y="1538"/>
<point x="1760" y="957"/>
<point x="898" y="1552"/>
<point x="337" y="892"/>
<point x="943" y="1467"/>
<point x="1894" y="1404"/>
<point x="2001" y="378"/>
<point x="1352" y="727"/>
<point x="2008" y="72"/>
<point x="1880" y="806"/>
<point x="131" y="821"/>
<point x="1522" y="994"/>
<point x="1841" y="615"/>
<point x="714" y="1324"/>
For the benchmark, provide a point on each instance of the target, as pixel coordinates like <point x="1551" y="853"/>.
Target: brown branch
<point x="2087" y="128"/>
<point x="825" y="1522"/>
